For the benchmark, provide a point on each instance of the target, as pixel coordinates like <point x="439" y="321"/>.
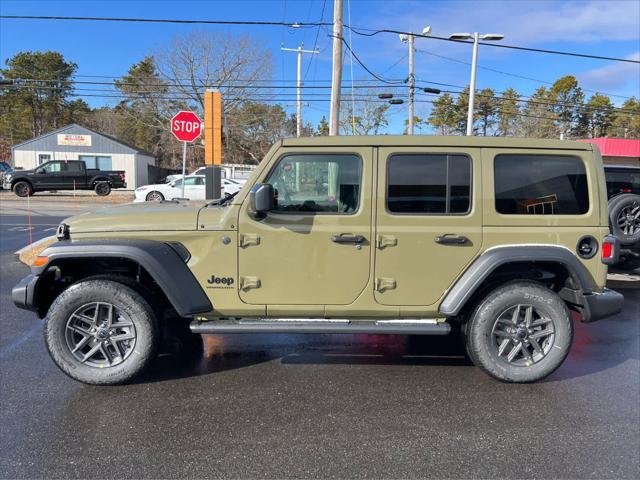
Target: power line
<point x="315" y="42"/>
<point x="491" y="44"/>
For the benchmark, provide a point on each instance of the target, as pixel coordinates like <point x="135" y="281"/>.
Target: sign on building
<point x="74" y="140"/>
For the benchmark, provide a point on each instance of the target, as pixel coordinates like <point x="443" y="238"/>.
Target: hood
<point x="147" y="216"/>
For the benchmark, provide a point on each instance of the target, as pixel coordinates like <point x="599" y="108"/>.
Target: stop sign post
<point x="186" y="127"/>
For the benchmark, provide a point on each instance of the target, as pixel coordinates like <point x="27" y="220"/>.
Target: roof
<point x="616" y="147"/>
<point x="433" y="140"/>
<point x="72" y="126"/>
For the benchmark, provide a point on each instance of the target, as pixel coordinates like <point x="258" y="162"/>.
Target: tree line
<point x="40" y="92"/>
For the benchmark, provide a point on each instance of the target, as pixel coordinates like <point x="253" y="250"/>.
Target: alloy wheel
<point x="100" y="335"/>
<point x="629" y="219"/>
<point x="522" y="335"/>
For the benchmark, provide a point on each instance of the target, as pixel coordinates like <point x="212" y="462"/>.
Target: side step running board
<point x="399" y="327"/>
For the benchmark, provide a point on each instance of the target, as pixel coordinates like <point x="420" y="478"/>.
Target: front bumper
<point x="24" y="293"/>
<point x="602" y="305"/>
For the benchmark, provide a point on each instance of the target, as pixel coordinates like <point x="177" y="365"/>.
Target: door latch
<point x="247" y="239"/>
<point x="383" y="284"/>
<point x="247" y="283"/>
<point x="383" y="241"/>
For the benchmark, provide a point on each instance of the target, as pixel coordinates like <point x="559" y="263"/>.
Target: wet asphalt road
<point x="318" y="406"/>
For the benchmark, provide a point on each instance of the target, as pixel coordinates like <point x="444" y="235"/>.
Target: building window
<point x="317" y="183"/>
<point x="43" y="158"/>
<point x="540" y="185"/>
<point x="436" y="184"/>
<point x="96" y="162"/>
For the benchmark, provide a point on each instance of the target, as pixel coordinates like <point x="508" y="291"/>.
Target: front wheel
<point x="154" y="196"/>
<point x="101" y="332"/>
<point x="23" y="189"/>
<point x="520" y="332"/>
<point x="102" y="188"/>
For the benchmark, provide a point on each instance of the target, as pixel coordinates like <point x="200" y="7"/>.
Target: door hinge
<point x="383" y="241"/>
<point x="247" y="239"/>
<point x="247" y="283"/>
<point x="383" y="284"/>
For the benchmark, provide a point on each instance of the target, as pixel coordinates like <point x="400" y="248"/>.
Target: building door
<point x="314" y="248"/>
<point x="428" y="222"/>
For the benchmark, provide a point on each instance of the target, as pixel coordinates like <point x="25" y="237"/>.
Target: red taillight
<point x="625" y="190"/>
<point x="122" y="176"/>
<point x="607" y="250"/>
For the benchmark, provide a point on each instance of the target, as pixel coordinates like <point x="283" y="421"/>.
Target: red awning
<point x="616" y="147"/>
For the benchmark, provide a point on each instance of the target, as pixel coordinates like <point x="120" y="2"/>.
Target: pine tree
<point x="508" y="112"/>
<point x="443" y="115"/>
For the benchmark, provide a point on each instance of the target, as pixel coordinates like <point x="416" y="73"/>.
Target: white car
<point x="194" y="189"/>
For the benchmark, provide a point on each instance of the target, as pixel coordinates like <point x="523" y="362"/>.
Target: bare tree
<point x="235" y="65"/>
<point x="365" y="116"/>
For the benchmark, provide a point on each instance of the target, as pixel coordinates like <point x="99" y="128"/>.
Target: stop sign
<point x="186" y="126"/>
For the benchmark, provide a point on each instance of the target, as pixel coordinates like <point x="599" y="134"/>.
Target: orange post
<point x="212" y="127"/>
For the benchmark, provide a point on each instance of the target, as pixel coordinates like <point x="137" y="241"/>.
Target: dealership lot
<point x="315" y="405"/>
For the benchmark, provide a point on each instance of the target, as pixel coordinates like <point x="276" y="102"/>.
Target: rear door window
<point x="531" y="184"/>
<point x="429" y="184"/>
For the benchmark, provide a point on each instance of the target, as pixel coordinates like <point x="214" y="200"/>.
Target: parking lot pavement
<point x="60" y="203"/>
<point x="320" y="406"/>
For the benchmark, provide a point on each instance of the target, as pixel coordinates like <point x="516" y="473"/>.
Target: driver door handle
<point x="355" y="239"/>
<point x="449" y="239"/>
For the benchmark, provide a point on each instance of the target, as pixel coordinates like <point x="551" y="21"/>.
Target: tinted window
<point x="429" y="183"/>
<point x="540" y="185"/>
<point x="621" y="180"/>
<point x="317" y="183"/>
<point x="74" y="166"/>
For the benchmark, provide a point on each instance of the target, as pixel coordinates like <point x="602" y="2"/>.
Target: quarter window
<point x="317" y="183"/>
<point x="437" y="184"/>
<point x="540" y="185"/>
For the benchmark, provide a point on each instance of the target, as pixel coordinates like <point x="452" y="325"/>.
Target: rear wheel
<point x="101" y="332"/>
<point x="521" y="332"/>
<point x="23" y="189"/>
<point x="102" y="188"/>
<point x="154" y="196"/>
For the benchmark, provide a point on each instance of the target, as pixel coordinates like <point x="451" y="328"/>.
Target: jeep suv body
<point x="388" y="234"/>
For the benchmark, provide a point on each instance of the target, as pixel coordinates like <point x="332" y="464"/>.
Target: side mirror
<point x="172" y="184"/>
<point x="262" y="199"/>
<point x="40" y="170"/>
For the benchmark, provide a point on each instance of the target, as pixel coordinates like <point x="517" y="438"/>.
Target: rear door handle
<point x="449" y="239"/>
<point x="347" y="239"/>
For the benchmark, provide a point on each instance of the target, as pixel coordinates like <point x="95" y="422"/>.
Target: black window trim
<point x="547" y="154"/>
<point x="419" y="214"/>
<point x="318" y="154"/>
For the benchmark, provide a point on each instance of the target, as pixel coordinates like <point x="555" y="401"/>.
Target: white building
<point x="74" y="142"/>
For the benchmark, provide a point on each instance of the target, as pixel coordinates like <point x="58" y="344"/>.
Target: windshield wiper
<point x="223" y="200"/>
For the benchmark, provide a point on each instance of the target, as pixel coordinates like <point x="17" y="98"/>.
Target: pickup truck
<point x="64" y="175"/>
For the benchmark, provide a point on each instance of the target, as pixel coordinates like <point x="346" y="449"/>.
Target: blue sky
<point x="610" y="28"/>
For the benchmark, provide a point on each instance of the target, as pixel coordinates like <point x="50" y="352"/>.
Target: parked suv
<point x="500" y="238"/>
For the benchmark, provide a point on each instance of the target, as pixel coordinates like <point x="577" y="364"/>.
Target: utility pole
<point x="300" y="51"/>
<point x="412" y="84"/>
<point x="336" y="75"/>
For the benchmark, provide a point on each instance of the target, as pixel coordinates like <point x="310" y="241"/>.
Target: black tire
<point x="102" y="188"/>
<point x="624" y="218"/>
<point x="154" y="196"/>
<point x="178" y="339"/>
<point x="131" y="309"/>
<point x="23" y="189"/>
<point x="487" y="324"/>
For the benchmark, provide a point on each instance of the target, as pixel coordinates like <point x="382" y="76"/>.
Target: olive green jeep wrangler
<point x="501" y="239"/>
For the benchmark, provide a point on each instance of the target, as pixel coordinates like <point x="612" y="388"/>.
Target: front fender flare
<point x="164" y="263"/>
<point x="493" y="258"/>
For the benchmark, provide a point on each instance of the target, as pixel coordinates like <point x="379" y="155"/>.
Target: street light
<point x="494" y="37"/>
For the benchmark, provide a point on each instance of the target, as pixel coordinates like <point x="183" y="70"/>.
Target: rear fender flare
<point x="493" y="258"/>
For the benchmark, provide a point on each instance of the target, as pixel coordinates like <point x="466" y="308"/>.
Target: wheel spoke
<point x="105" y="352"/>
<point x="514" y="351"/>
<point x="500" y="333"/>
<point x="85" y="318"/>
<point x="78" y="329"/>
<point x="539" y="322"/>
<point x="528" y="316"/>
<point x="540" y="334"/>
<point x="503" y="346"/>
<point x="91" y="352"/>
<point x="82" y="343"/>
<point x="516" y="315"/>
<point x="117" y="347"/>
<point x="122" y="336"/>
<point x="527" y="354"/>
<point x="536" y="346"/>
